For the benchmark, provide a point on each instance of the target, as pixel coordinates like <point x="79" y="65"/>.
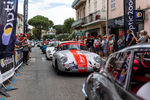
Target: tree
<point x="68" y="25"/>
<point x="59" y="29"/>
<point x="40" y="22"/>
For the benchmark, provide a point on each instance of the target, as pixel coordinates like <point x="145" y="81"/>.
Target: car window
<point x="118" y="65"/>
<point x="140" y="74"/>
<point x="73" y="47"/>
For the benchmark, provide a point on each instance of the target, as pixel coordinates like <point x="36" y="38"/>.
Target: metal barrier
<point x="8" y="66"/>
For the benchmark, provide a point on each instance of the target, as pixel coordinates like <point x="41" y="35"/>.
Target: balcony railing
<point x="96" y="16"/>
<point x="92" y="18"/>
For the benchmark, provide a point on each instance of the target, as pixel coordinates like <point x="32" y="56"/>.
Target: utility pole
<point x="107" y="16"/>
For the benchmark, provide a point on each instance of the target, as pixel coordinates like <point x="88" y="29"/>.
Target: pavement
<point x="38" y="81"/>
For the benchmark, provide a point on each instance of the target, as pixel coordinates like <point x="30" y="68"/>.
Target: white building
<point x="90" y="17"/>
<point x="19" y="27"/>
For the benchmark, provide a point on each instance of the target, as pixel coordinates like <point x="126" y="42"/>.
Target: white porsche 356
<point x="72" y="57"/>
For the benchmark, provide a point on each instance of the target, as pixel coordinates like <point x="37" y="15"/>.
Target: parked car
<point x="72" y="56"/>
<point x="50" y="50"/>
<point x="125" y="76"/>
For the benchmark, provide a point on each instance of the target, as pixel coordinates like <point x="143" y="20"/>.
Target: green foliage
<point x="68" y="25"/>
<point x="36" y="34"/>
<point x="49" y="36"/>
<point x="59" y="29"/>
<point x="63" y="37"/>
<point x="40" y="22"/>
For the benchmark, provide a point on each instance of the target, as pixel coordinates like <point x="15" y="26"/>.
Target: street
<point x="38" y="81"/>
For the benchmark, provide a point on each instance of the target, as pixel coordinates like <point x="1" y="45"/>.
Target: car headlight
<point x="63" y="59"/>
<point x="97" y="59"/>
<point x="49" y="51"/>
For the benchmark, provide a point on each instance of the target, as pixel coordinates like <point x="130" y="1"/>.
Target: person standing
<point x="111" y="44"/>
<point x="105" y="46"/>
<point x="121" y="42"/>
<point x="25" y="51"/>
<point x="142" y="38"/>
<point x="96" y="45"/>
<point x="130" y="38"/>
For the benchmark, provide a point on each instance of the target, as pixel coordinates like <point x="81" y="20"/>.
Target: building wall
<point x="19" y="28"/>
<point x="80" y="12"/>
<point x="119" y="11"/>
<point x="94" y="5"/>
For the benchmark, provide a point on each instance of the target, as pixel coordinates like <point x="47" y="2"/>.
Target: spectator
<point x="111" y="43"/>
<point x="142" y="38"/>
<point x="105" y="46"/>
<point x="121" y="42"/>
<point x="130" y="38"/>
<point x="25" y="51"/>
<point x="90" y="42"/>
<point x="96" y="45"/>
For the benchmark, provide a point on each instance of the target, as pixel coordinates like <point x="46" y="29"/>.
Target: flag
<point x="8" y="20"/>
<point x="25" y="16"/>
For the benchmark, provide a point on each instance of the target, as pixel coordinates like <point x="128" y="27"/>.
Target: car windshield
<point x="52" y="45"/>
<point x="73" y="46"/>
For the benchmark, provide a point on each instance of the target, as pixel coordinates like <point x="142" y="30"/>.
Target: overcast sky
<point x="55" y="10"/>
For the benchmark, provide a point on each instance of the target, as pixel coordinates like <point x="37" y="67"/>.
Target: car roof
<point x="71" y="42"/>
<point x="138" y="46"/>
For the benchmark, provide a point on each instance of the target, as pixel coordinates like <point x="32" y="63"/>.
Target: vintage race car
<point x="125" y="76"/>
<point x="72" y="56"/>
<point x="50" y="50"/>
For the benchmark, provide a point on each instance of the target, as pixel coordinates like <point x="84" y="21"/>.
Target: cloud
<point x="55" y="10"/>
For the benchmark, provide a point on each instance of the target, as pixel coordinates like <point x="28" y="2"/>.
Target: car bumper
<point x="83" y="90"/>
<point x="70" y="69"/>
<point x="49" y="56"/>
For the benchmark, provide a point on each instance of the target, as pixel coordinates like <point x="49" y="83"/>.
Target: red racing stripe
<point x="80" y="59"/>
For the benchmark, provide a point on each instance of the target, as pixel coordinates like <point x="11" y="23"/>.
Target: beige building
<point x="90" y="17"/>
<point x="50" y="32"/>
<point x="116" y="16"/>
<point x="19" y="28"/>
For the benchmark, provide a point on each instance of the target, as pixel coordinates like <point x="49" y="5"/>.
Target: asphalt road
<point x="38" y="81"/>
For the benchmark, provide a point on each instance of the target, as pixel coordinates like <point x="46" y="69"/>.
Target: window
<point x="140" y="75"/>
<point x="117" y="67"/>
<point x="113" y="4"/>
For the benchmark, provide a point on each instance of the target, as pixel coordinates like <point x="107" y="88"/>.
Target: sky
<point x="55" y="10"/>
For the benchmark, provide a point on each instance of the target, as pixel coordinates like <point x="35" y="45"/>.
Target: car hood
<point x="79" y="57"/>
<point x="50" y="48"/>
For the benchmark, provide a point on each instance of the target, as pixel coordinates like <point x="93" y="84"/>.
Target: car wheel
<point x="47" y="57"/>
<point x="86" y="99"/>
<point x="56" y="68"/>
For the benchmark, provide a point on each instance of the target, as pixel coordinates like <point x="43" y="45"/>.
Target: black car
<point x="124" y="76"/>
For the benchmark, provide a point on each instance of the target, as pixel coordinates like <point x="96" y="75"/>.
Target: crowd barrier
<point x="9" y="65"/>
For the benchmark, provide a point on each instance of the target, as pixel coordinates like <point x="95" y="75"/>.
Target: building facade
<point x="90" y="17"/>
<point x="19" y="28"/>
<point x="50" y="32"/>
<point x="116" y="16"/>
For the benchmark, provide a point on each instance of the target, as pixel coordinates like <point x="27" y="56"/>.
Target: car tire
<point x="86" y="99"/>
<point x="56" y="69"/>
<point x="47" y="57"/>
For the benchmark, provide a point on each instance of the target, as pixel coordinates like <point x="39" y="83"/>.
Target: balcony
<point x="77" y="23"/>
<point x="76" y="3"/>
<point x="96" y="17"/>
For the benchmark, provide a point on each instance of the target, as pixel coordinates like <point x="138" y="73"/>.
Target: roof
<point x="138" y="46"/>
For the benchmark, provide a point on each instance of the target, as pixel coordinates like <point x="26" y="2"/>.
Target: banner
<point x="6" y="68"/>
<point x="130" y="16"/>
<point x="25" y="16"/>
<point x="18" y="58"/>
<point x="8" y="20"/>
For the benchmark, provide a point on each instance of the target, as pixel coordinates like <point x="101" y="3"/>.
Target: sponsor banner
<point x="8" y="20"/>
<point x="18" y="58"/>
<point x="25" y="16"/>
<point x="130" y="16"/>
<point x="6" y="68"/>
